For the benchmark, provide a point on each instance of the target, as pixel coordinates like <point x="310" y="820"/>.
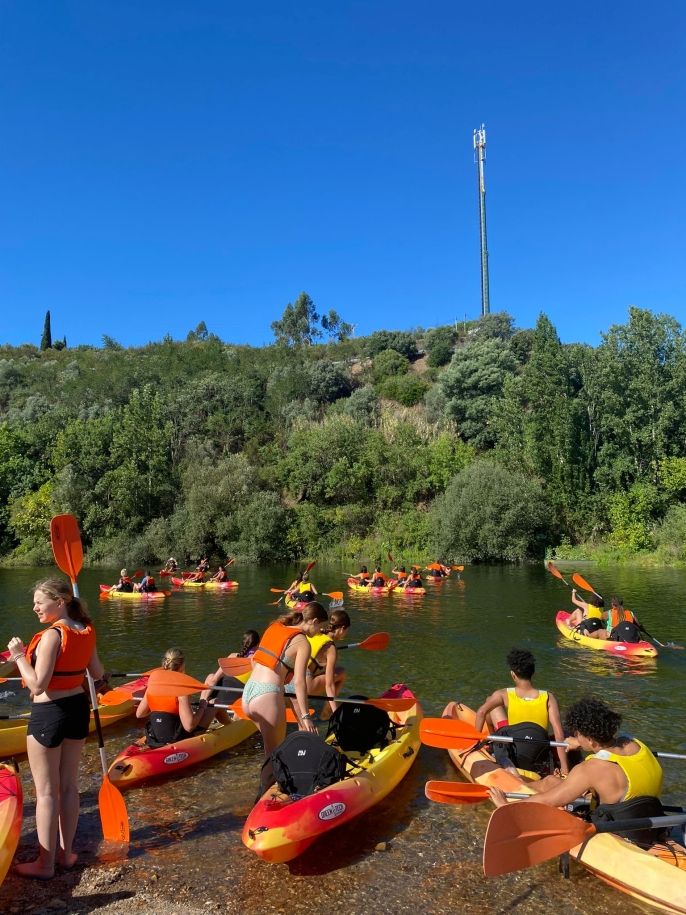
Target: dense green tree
<point x="387" y="363"/>
<point x="46" y="339"/>
<point x="298" y="324"/>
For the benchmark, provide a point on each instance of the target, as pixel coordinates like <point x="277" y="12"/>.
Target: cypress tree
<point x="46" y="339"/>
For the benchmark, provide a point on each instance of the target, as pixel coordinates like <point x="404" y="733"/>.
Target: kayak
<point x="409" y="592"/>
<point x="627" y="649"/>
<point x="138" y="764"/>
<point x="228" y="585"/>
<point x="279" y="828"/>
<point x="11" y="806"/>
<point x="356" y="585"/>
<point x="656" y="876"/>
<point x="113" y="707"/>
<point x="294" y="604"/>
<point x="106" y="591"/>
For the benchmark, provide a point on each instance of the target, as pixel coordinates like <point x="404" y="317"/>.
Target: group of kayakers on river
<point x="148" y="585"/>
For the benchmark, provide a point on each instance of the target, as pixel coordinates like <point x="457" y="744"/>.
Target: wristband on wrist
<point x="306" y="716"/>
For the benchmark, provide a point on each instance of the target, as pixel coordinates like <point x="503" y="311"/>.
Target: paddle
<point x="67" y="549"/>
<point x="457" y="568"/>
<point x="521" y="835"/>
<point x="174" y="683"/>
<point x="448" y="734"/>
<point x="376" y="642"/>
<point x="234" y="667"/>
<point x="556" y="572"/>
<point x="466" y="793"/>
<point x="581" y="582"/>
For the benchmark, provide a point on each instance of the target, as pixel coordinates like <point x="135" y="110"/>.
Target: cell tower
<point x="479" y="159"/>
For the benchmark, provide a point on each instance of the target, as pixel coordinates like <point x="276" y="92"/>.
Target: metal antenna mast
<point x="480" y="158"/>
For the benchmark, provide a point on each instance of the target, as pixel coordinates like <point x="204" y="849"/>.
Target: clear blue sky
<point x="163" y="163"/>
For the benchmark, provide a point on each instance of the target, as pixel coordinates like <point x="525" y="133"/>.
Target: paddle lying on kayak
<point x="67" y="549"/>
<point x="451" y="734"/>
<point x="174" y="683"/>
<point x="581" y="582"/>
<point x="466" y="793"/>
<point x="521" y="835"/>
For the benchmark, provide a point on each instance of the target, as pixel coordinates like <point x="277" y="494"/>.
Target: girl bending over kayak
<point x="172" y="718"/>
<point x="323" y="677"/>
<point x="283" y="652"/>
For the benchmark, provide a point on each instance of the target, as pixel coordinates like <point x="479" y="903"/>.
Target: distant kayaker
<point x="203" y="566"/>
<point x="400" y="574"/>
<point x="302" y="589"/>
<point x="378" y="578"/>
<point x="172" y="718"/>
<point x="523" y="711"/>
<point x="414" y="580"/>
<point x="621" y="624"/>
<point x="146" y="585"/>
<point x="220" y="574"/>
<point x="171" y="565"/>
<point x="124" y="584"/>
<point x="362" y="575"/>
<point x="589" y="615"/>
<point x="621" y="771"/>
<point x="283" y="652"/>
<point x="53" y="668"/>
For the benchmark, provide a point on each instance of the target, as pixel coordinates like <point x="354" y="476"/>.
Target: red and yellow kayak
<point x="279" y="828"/>
<point x="107" y="593"/>
<point x="113" y="707"/>
<point x="138" y="764"/>
<point x="356" y="585"/>
<point x="207" y="585"/>
<point x="7" y="668"/>
<point x="655" y="876"/>
<point x="627" y="649"/>
<point x="11" y="806"/>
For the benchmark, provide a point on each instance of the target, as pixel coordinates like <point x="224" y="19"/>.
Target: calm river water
<point x="449" y="645"/>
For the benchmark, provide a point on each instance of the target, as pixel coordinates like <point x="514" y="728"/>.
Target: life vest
<point x="272" y="648"/>
<point x="619" y="615"/>
<point x="304" y="587"/>
<point x="169" y="704"/>
<point x="76" y="650"/>
<point x="531" y="710"/>
<point x="643" y="771"/>
<point x="594" y="613"/>
<point x="317" y="642"/>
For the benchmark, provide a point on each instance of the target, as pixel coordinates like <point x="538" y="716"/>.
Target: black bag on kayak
<point x="626" y="632"/>
<point x="592" y="625"/>
<point x="304" y="762"/>
<point x="531" y="750"/>
<point x="360" y="727"/>
<point x="643" y="806"/>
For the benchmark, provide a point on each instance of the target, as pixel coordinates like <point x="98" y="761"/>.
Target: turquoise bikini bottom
<point x="254" y="688"/>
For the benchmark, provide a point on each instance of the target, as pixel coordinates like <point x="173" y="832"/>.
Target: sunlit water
<point x="449" y="644"/>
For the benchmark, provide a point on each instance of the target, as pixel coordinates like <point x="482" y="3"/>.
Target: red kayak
<point x="11" y="805"/>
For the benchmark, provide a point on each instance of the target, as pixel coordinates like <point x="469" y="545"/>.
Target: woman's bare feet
<point x="35" y="869"/>
<point x="65" y="860"/>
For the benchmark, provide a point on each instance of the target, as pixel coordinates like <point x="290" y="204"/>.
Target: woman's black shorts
<point x="61" y="719"/>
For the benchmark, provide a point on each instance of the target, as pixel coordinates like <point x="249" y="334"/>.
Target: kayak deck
<point x="11" y="806"/>
<point x="280" y="828"/>
<point x="656" y="876"/>
<point x="627" y="649"/>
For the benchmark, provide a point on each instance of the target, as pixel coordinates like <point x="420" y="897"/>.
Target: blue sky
<point x="163" y="163"/>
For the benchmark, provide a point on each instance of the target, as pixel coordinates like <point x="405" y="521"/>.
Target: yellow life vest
<point x="594" y="613"/>
<point x="643" y="771"/>
<point x="533" y="710"/>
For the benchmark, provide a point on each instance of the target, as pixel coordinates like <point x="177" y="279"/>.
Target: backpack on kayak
<point x="304" y="762"/>
<point x="530" y="751"/>
<point x="360" y="727"/>
<point x="626" y="632"/>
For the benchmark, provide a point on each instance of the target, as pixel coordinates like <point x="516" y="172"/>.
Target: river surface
<point x="407" y="854"/>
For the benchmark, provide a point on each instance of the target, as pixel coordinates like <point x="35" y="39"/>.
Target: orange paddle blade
<point x="554" y="571"/>
<point x="448" y="733"/>
<point x="278" y="590"/>
<point x="234" y="667"/>
<point x="173" y="683"/>
<point x="455" y="792"/>
<point x="113" y="815"/>
<point x="521" y="835"/>
<point x="434" y="566"/>
<point x="376" y="642"/>
<point x="66" y="544"/>
<point x="457" y="568"/>
<point x="334" y="595"/>
<point x="581" y="582"/>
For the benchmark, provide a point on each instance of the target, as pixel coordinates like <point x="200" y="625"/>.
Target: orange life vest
<point x="272" y="648"/>
<point x="76" y="650"/>
<point x="168" y="704"/>
<point x="620" y="615"/>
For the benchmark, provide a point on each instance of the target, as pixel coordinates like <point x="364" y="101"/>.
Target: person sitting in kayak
<point x="400" y="574"/>
<point x="323" y="677"/>
<point x="198" y="575"/>
<point x="621" y="624"/>
<point x="413" y="581"/>
<point x="378" y="578"/>
<point x="220" y="575"/>
<point x="621" y="772"/>
<point x="170" y="565"/>
<point x="302" y="589"/>
<point x="146" y="585"/>
<point x="250" y="641"/>
<point x="172" y="718"/>
<point x="283" y="653"/>
<point x="523" y="711"/>
<point x="589" y="615"/>
<point x="362" y="576"/>
<point x="125" y="584"/>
